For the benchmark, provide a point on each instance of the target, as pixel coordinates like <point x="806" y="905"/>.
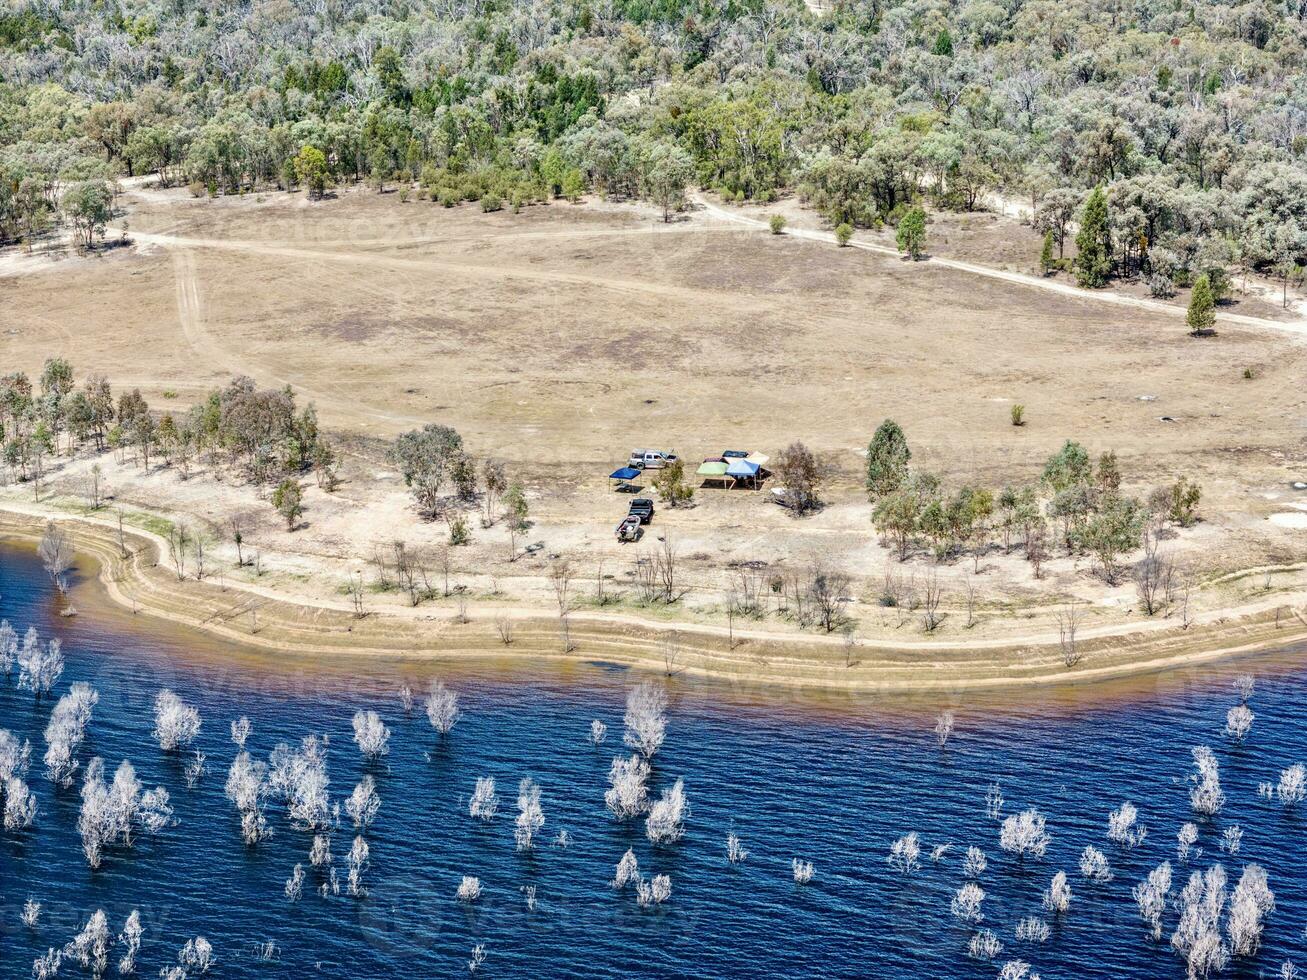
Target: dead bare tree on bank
<point x="1068" y="621"/>
<point x="667" y="570"/>
<point x="669" y="645"/>
<point x="560" y="577"/>
<point x="732" y="606"/>
<point x="122" y="540"/>
<point x="971" y="604"/>
<point x="199" y="557"/>
<point x="383" y="570"/>
<point x="504" y="627"/>
<point x="932" y="593"/>
<point x="829" y="591"/>
<point x="56" y="553"/>
<point x="850" y="634"/>
<point x="356" y="593"/>
<point x="178" y="542"/>
<point x="1154" y="576"/>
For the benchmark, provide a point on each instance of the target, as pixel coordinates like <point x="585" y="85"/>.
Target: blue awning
<point x="625" y="473"/>
<point x="742" y="468"/>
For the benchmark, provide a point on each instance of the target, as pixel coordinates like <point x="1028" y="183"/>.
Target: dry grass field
<point x="560" y="338"/>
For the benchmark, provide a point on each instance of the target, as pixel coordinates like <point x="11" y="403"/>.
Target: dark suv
<point x="643" y="508"/>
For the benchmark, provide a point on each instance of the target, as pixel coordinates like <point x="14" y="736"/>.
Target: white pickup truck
<point x="650" y="459"/>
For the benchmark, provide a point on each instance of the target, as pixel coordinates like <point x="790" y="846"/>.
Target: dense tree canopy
<point x="1193" y="118"/>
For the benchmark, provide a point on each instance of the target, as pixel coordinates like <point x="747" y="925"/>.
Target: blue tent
<point x="624" y="474"/>
<point x="742" y="469"/>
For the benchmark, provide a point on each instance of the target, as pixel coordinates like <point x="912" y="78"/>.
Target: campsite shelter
<point x="742" y="469"/>
<point x="713" y="469"/>
<point x="624" y="476"/>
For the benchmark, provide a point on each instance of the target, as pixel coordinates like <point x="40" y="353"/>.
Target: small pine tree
<point x="1093" y="261"/>
<point x="843" y="234"/>
<point x="1202" y="307"/>
<point x="1046" y="260"/>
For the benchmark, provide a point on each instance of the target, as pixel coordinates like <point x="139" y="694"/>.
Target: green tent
<point x="712" y="469"/>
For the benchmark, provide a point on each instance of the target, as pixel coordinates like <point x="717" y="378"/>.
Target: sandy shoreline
<point x="259" y="617"/>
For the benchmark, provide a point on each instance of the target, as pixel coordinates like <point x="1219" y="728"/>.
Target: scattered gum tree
<point x="911" y="233"/>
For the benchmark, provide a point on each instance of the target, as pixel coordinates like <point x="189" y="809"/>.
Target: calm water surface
<point x="831" y="780"/>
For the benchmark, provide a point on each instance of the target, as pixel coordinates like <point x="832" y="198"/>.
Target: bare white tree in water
<point x="1024" y="835"/>
<point x="111" y="813"/>
<point x="1033" y="929"/>
<point x="974" y="864"/>
<point x="358" y="863"/>
<point x="628" y="792"/>
<point x="735" y="851"/>
<point x="1245" y="685"/>
<point x="130" y="941"/>
<point x="56" y="554"/>
<point x="65" y="732"/>
<point x="1186" y="837"/>
<point x="1094" y="866"/>
<point x="628" y="870"/>
<point x="994" y="801"/>
<point x="905" y="853"/>
<point x="530" y="815"/>
<point x="247" y="784"/>
<point x="1057" y="896"/>
<point x="299" y="777"/>
<point x="966" y="902"/>
<point x="19" y="809"/>
<point x="484" y="802"/>
<point x="984" y="945"/>
<point x="363" y="803"/>
<point x="1152" y="896"/>
<point x="1016" y="970"/>
<point x="1239" y="722"/>
<point x="1205" y="795"/>
<point x="176" y="724"/>
<point x="31" y="913"/>
<point x="666" y="821"/>
<point x="598" y="732"/>
<point x="46" y="966"/>
<point x="442" y="708"/>
<point x="39" y="667"/>
<point x="1250" y="904"/>
<point x="241" y="729"/>
<point x="8" y="648"/>
<point x="1232" y="840"/>
<point x="943" y="728"/>
<point x="646" y="718"/>
<point x="1197" y="935"/>
<point x="802" y="871"/>
<point x="1292" y="787"/>
<point x="469" y="889"/>
<point x="196" y="955"/>
<point x="1123" y="826"/>
<point x="295" y="884"/>
<point x="406" y="699"/>
<point x="90" y="947"/>
<point x="371" y="734"/>
<point x="655" y="891"/>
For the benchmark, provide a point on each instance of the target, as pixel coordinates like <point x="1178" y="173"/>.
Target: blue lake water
<point x="830" y="779"/>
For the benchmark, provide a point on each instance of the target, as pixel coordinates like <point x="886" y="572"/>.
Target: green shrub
<point x="843" y="234"/>
<point x="777" y="223"/>
<point x="491" y="202"/>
